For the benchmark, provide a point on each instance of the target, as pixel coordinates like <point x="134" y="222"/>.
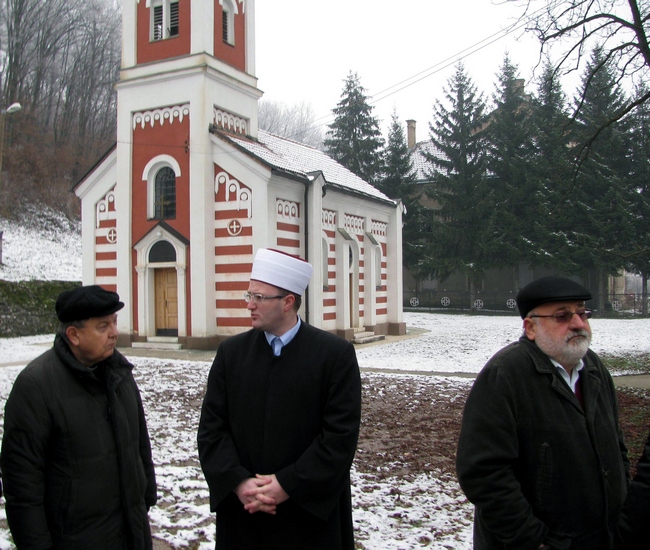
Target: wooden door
<point x="166" y="289"/>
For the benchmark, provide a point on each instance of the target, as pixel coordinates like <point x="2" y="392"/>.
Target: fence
<point x="623" y="304"/>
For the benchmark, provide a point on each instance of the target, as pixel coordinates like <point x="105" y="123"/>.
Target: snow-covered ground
<point x="45" y="247"/>
<point x="428" y="508"/>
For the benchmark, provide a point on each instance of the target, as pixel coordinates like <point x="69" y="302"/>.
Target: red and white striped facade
<point x="191" y="106"/>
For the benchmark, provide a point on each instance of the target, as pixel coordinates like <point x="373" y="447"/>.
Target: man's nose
<point x="576" y="322"/>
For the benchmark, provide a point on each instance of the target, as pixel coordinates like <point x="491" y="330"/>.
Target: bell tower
<point x="187" y="66"/>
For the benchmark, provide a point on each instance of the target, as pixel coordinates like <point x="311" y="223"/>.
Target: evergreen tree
<point x="354" y="139"/>
<point x="398" y="181"/>
<point x="553" y="171"/>
<point x="599" y="218"/>
<point x="460" y="238"/>
<point x="514" y="196"/>
<point x="639" y="261"/>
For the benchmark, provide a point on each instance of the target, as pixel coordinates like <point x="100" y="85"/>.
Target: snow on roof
<point x="302" y="160"/>
<point x="421" y="166"/>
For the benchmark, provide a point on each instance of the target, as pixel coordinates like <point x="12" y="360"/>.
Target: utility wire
<point x="443" y="64"/>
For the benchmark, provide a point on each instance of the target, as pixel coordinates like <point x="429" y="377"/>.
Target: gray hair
<point x="63" y="328"/>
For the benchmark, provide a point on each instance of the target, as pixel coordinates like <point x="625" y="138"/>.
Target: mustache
<point x="576" y="333"/>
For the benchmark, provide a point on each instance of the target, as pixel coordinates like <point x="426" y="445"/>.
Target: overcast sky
<point x="305" y="50"/>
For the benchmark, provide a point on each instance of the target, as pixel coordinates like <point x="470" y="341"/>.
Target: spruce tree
<point x="599" y="220"/>
<point x="354" y="139"/>
<point x="460" y="238"/>
<point x="514" y="191"/>
<point x="398" y="181"/>
<point x="553" y="170"/>
<point x="639" y="259"/>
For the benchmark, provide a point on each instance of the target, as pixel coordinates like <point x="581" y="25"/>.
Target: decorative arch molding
<point x="170" y="114"/>
<point x="145" y="273"/>
<point x="287" y="210"/>
<point x="105" y="208"/>
<point x="354" y="224"/>
<point x="234" y="4"/>
<point x="229" y="122"/>
<point x="378" y="228"/>
<point x="149" y="175"/>
<point x="235" y="192"/>
<point x="328" y="219"/>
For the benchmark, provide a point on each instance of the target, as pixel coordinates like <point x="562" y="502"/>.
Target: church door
<point x="166" y="289"/>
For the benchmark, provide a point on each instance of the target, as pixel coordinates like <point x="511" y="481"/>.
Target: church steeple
<point x="159" y="30"/>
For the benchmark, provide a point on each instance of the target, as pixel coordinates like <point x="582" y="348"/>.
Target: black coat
<point x="296" y="416"/>
<point x="76" y="458"/>
<point x="633" y="531"/>
<point x="536" y="465"/>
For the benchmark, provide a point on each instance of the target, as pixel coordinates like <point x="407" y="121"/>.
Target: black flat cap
<point x="549" y="289"/>
<point x="84" y="302"/>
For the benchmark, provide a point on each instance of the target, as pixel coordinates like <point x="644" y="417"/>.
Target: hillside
<point x="44" y="245"/>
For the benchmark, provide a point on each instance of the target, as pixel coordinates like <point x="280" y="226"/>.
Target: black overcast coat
<point x="535" y="465"/>
<point x="76" y="459"/>
<point x="296" y="416"/>
<point x="634" y="525"/>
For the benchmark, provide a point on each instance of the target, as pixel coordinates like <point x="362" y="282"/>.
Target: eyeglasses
<point x="566" y="316"/>
<point x="258" y="298"/>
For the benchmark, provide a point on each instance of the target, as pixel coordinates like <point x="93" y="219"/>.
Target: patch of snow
<point x="46" y="246"/>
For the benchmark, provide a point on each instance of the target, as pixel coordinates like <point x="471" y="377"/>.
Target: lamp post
<point x="13" y="108"/>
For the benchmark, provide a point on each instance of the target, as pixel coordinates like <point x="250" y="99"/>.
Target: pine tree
<point x="459" y="239"/>
<point x="553" y="170"/>
<point x="639" y="261"/>
<point x="398" y="181"/>
<point x="398" y="178"/>
<point x="599" y="220"/>
<point x="354" y="139"/>
<point x="514" y="191"/>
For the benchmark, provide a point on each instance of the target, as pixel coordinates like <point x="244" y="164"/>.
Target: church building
<point x="172" y="216"/>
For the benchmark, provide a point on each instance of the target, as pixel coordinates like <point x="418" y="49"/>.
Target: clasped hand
<point x="261" y="493"/>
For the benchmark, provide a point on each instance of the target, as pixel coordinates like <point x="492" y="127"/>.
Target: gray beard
<point x="566" y="352"/>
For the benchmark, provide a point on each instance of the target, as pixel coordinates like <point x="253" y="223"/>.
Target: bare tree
<point x="60" y="60"/>
<point x="295" y="122"/>
<point x="569" y="30"/>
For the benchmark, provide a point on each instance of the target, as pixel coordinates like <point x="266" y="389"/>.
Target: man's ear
<point x="529" y="328"/>
<point x="72" y="333"/>
<point x="290" y="300"/>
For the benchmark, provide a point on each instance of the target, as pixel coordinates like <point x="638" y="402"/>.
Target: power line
<point x="443" y="64"/>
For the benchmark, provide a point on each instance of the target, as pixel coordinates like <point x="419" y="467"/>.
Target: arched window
<point x="229" y="9"/>
<point x="164" y="19"/>
<point x="377" y="267"/>
<point x="162" y="252"/>
<point x="325" y="263"/>
<point x="165" y="194"/>
<point x="160" y="173"/>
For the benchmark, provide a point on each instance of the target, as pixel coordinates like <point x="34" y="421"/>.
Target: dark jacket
<point x="296" y="416"/>
<point x="537" y="467"/>
<point x="634" y="525"/>
<point x="76" y="457"/>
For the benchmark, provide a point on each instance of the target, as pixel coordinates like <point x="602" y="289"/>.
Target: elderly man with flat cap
<point x="541" y="453"/>
<point x="280" y="422"/>
<point x="76" y="459"/>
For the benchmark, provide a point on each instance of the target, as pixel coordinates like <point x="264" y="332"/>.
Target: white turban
<point x="281" y="270"/>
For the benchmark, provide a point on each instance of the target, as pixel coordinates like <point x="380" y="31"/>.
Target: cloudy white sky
<point x="305" y="50"/>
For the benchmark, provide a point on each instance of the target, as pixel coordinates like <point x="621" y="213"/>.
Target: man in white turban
<point x="280" y="422"/>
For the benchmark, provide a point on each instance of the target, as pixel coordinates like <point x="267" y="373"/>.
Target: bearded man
<point x="541" y="453"/>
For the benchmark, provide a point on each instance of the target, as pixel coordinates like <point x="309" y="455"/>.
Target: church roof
<point x="302" y="160"/>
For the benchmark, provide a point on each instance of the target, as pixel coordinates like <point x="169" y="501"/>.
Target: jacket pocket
<point x="544" y="479"/>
